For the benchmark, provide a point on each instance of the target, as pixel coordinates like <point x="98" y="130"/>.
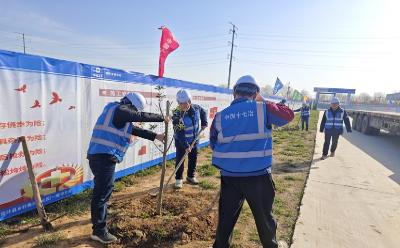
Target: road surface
<point x="353" y="199"/>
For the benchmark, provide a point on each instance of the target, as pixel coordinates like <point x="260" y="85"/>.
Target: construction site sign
<point x="55" y="104"/>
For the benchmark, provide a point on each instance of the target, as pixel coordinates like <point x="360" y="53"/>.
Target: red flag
<point x="168" y="44"/>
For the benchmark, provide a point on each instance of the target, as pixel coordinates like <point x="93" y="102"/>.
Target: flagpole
<point x="287" y="95"/>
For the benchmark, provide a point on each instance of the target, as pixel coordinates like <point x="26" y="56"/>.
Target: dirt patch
<point x="186" y="217"/>
<point x="189" y="216"/>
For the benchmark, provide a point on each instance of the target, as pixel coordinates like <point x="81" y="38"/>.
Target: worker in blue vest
<point x="304" y="114"/>
<point x="241" y="140"/>
<point x="332" y="123"/>
<point x="188" y="119"/>
<point x="111" y="138"/>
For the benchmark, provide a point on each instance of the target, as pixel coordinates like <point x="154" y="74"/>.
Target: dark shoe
<point x="324" y="157"/>
<point x="332" y="154"/>
<point x="104" y="239"/>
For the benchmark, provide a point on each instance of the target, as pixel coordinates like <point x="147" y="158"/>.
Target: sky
<point x="337" y="43"/>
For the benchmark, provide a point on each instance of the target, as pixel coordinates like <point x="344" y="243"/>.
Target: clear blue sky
<point x="341" y="43"/>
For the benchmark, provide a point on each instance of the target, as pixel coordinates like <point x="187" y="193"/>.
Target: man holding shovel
<point x="110" y="139"/>
<point x="188" y="120"/>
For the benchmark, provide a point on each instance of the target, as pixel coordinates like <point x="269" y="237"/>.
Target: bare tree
<point x="266" y="90"/>
<point x="379" y="97"/>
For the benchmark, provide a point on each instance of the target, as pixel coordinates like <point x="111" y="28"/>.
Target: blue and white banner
<point x="277" y="87"/>
<point x="55" y="104"/>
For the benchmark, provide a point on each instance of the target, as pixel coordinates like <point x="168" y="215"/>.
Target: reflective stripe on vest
<point x="244" y="143"/>
<point x="260" y="135"/>
<point x="305" y="112"/>
<point x="106" y="138"/>
<point x="192" y="126"/>
<point x="334" y="121"/>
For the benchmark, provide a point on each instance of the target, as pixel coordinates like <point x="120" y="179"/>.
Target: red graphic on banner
<point x="21" y="89"/>
<point x="9" y="156"/>
<point x="142" y="151"/>
<point x="122" y="93"/>
<point x="29" y="138"/>
<point x="19" y="124"/>
<point x="168" y="44"/>
<point x="36" y="104"/>
<point x="71" y="107"/>
<point x="213" y="112"/>
<point x="51" y="181"/>
<point x="20" y="169"/>
<point x="205" y="98"/>
<point x="56" y="98"/>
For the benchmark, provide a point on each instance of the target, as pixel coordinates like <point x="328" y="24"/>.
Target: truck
<point x="372" y="122"/>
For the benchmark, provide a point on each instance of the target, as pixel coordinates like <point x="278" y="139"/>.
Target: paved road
<point x="353" y="199"/>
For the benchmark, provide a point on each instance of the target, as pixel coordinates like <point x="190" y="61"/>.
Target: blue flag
<point x="278" y="86"/>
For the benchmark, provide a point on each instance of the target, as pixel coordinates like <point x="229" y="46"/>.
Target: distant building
<point x="393" y="97"/>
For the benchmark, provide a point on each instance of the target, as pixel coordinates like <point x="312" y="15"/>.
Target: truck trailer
<point x="372" y="122"/>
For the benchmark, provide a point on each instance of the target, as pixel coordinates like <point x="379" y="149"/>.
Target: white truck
<point x="371" y="122"/>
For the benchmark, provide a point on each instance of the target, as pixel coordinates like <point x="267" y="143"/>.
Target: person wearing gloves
<point x="110" y="139"/>
<point x="241" y="140"/>
<point x="332" y="123"/>
<point x="305" y="115"/>
<point x="188" y="119"/>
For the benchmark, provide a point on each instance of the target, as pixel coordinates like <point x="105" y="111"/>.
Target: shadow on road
<point x="384" y="148"/>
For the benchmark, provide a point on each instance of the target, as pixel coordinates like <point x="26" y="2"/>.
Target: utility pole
<point x="23" y="40"/>
<point x="287" y="94"/>
<point x="233" y="30"/>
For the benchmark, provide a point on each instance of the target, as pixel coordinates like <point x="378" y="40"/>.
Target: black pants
<point x="259" y="192"/>
<point x="103" y="171"/>
<point x="328" y="137"/>
<point x="304" y="120"/>
<point x="180" y="152"/>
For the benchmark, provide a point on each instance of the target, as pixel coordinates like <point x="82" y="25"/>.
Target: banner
<point x="277" y="87"/>
<point x="297" y="96"/>
<point x="168" y="44"/>
<point x="55" y="105"/>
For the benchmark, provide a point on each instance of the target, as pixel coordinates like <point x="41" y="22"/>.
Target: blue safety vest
<point x="244" y="143"/>
<point x="305" y="112"/>
<point x="334" y="120"/>
<point x="108" y="139"/>
<point x="191" y="124"/>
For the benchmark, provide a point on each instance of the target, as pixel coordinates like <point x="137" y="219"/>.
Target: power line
<point x="233" y="30"/>
<point x="23" y="41"/>
<point x="306" y="36"/>
<point x="305" y="66"/>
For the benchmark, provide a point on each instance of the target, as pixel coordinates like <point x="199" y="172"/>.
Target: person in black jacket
<point x="110" y="139"/>
<point x="188" y="120"/>
<point x="332" y="123"/>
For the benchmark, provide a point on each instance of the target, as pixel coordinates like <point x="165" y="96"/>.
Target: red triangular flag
<point x="168" y="44"/>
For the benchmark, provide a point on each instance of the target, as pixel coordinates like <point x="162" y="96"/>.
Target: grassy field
<point x="292" y="151"/>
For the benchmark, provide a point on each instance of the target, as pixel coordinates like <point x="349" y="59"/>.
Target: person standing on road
<point x="241" y="140"/>
<point x="111" y="138"/>
<point x="305" y="115"/>
<point x="188" y="119"/>
<point x="332" y="123"/>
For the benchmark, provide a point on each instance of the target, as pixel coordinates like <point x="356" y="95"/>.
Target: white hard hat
<point x="137" y="100"/>
<point x="247" y="79"/>
<point x="183" y="96"/>
<point x="335" y="100"/>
